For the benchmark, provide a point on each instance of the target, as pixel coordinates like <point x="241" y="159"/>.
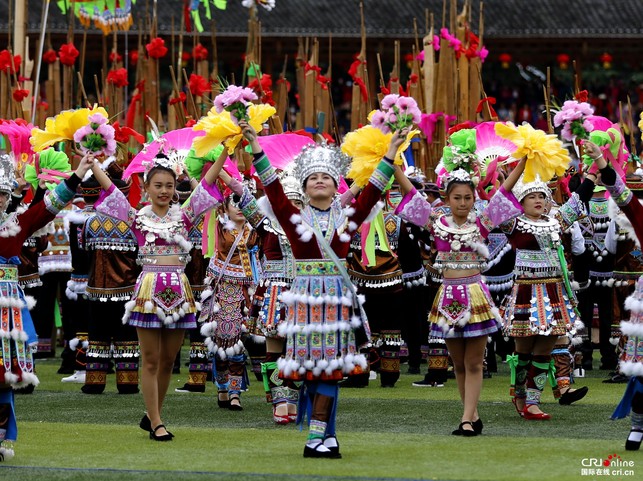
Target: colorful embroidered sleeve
<point x="250" y="208"/>
<point x="571" y="211"/>
<point x="415" y="209"/>
<point x="64" y="192"/>
<point x="40" y="214"/>
<point x="502" y="207"/>
<point x="112" y="202"/>
<point x="205" y="197"/>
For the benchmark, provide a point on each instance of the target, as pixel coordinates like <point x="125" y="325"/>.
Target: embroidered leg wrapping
<point x="323" y="411"/>
<point x="563" y="361"/>
<point x="390" y="357"/>
<point x="126" y="357"/>
<point x="98" y="354"/>
<point x="236" y="368"/>
<point x="273" y="386"/>
<point x="199" y="365"/>
<point x="79" y="346"/>
<point x="221" y="373"/>
<point x="437" y="360"/>
<point x="519" y="364"/>
<point x="537" y="378"/>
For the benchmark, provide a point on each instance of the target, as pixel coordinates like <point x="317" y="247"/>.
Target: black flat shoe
<point x="572" y="396"/>
<point x="631" y="444"/>
<point x="477" y="426"/>
<point x="163" y="437"/>
<point x="146" y="424"/>
<point x="320" y="451"/>
<point x="465" y="432"/>
<point x="334" y="446"/>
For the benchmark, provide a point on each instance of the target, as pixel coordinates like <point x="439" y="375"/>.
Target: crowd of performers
<point x="320" y="288"/>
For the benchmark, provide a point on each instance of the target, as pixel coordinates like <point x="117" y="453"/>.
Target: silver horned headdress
<point x="321" y="158"/>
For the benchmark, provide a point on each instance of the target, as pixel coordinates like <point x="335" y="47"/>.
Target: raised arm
<point x="214" y="171"/>
<point x="515" y="174"/>
<point x="99" y="174"/>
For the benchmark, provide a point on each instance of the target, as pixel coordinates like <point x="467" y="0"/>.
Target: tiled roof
<point x="394" y="18"/>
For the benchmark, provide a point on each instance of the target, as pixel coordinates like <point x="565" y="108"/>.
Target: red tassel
<point x="131" y="111"/>
<point x="490" y="101"/>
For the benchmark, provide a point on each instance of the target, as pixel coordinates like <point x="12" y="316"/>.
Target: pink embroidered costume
<point x="463" y="306"/>
<point x="162" y="295"/>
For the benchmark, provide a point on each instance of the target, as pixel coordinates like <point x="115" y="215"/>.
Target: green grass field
<point x="401" y="433"/>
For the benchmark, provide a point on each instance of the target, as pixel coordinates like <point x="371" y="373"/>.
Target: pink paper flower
<point x="572" y="116"/>
<point x="96" y="137"/>
<point x="389" y="101"/>
<point x="235" y="100"/>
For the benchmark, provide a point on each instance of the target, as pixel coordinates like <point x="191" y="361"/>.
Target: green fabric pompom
<point x="49" y="159"/>
<point x="195" y="164"/>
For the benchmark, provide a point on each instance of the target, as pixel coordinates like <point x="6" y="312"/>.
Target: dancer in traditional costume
<point x="599" y="292"/>
<point x="463" y="312"/>
<point x="268" y="311"/>
<point x="233" y="270"/>
<point x="542" y="304"/>
<point x="111" y="247"/>
<point x="628" y="267"/>
<point x="17" y="333"/>
<point x="325" y="325"/>
<point x="162" y="306"/>
<point x="55" y="268"/>
<point x="375" y="269"/>
<point x="631" y="362"/>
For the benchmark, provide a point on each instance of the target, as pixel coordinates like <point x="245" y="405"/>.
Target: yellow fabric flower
<point x="641" y="124"/>
<point x="220" y="129"/>
<point x="367" y="146"/>
<point x="545" y="154"/>
<point x="62" y="127"/>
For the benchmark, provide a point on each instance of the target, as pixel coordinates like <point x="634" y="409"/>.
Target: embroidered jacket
<point x="459" y="247"/>
<point x="160" y="236"/>
<point x="342" y="223"/>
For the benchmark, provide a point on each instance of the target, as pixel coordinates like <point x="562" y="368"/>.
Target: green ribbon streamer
<point x="512" y="361"/>
<point x="551" y="373"/>
<point x="196" y="18"/>
<point x="264" y="372"/>
<point x="563" y="267"/>
<point x="377" y="227"/>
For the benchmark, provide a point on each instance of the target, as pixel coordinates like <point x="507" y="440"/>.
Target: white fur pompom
<point x="30" y="301"/>
<point x="306" y="236"/>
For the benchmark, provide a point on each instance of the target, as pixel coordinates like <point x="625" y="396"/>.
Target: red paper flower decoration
<point x="199" y="85"/>
<point x="8" y="64"/>
<point x="200" y="52"/>
<point x="50" y="56"/>
<point x="115" y="57"/>
<point x="582" y="96"/>
<point x="118" y="77"/>
<point x="20" y="94"/>
<point x="156" y="48"/>
<point x="133" y="57"/>
<point x="68" y="54"/>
